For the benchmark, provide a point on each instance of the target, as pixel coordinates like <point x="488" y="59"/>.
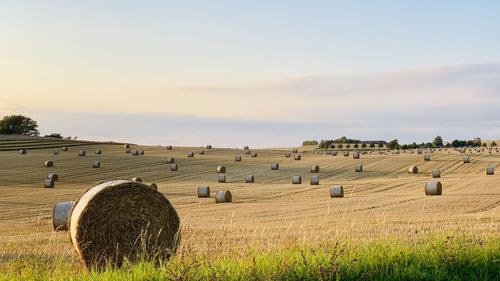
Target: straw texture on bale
<point x="48" y="163"/>
<point x="122" y="219"/>
<point x="223" y="197"/>
<point x="436" y="173"/>
<point x="433" y="188"/>
<point x="221" y="169"/>
<point x="346" y="153"/>
<point x="336" y="191"/>
<point x="48" y="183"/>
<point x="203" y="191"/>
<point x="275" y="166"/>
<point x="466" y="158"/>
<point x="297" y="157"/>
<point x="173" y="167"/>
<point x="288" y="154"/>
<point x="254" y="154"/>
<point x="314" y="180"/>
<point x="190" y="154"/>
<point x="22" y="151"/>
<point x="221" y="178"/>
<point x="98" y="152"/>
<point x="137" y="179"/>
<point x="427" y="157"/>
<point x="53" y="176"/>
<point x="296" y="180"/>
<point x="358" y="168"/>
<point x="55" y="152"/>
<point x="355" y="155"/>
<point x="96" y="164"/>
<point x="60" y="215"/>
<point x="82" y="153"/>
<point x="237" y="158"/>
<point x="413" y="170"/>
<point x="314" y="169"/>
<point x="64" y="148"/>
<point x="249" y="178"/>
<point x="490" y="170"/>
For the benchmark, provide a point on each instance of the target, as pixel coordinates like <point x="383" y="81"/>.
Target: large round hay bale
<point x="174" y="167"/>
<point x="314" y="169"/>
<point x="170" y="160"/>
<point x="334" y="153"/>
<point x="247" y="151"/>
<point x="201" y="152"/>
<point x="237" y="158"/>
<point x="64" y="148"/>
<point x="141" y="152"/>
<point x="246" y="147"/>
<point x="336" y="191"/>
<point x="436" y="173"/>
<point x="60" y="215"/>
<point x="221" y="178"/>
<point x="203" y="191"/>
<point x="22" y="151"/>
<point x="123" y="220"/>
<point x="466" y="159"/>
<point x="427" y="157"/>
<point x="314" y="180"/>
<point x="96" y="164"/>
<point x="169" y="147"/>
<point x="126" y="146"/>
<point x="209" y="146"/>
<point x="346" y="153"/>
<point x="97" y="152"/>
<point x="296" y="180"/>
<point x="221" y="169"/>
<point x="413" y="170"/>
<point x="490" y="170"/>
<point x="82" y="153"/>
<point x="48" y="183"/>
<point x="190" y="154"/>
<point x="275" y="166"/>
<point x="355" y="155"/>
<point x="53" y="176"/>
<point x="55" y="152"/>
<point x="358" y="168"/>
<point x="297" y="157"/>
<point x="249" y="179"/>
<point x="48" y="163"/>
<point x="137" y="179"/>
<point x="253" y="154"/>
<point x="288" y="154"/>
<point x="433" y="188"/>
<point x="223" y="197"/>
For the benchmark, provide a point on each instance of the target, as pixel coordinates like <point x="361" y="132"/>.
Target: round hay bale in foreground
<point x="249" y="179"/>
<point x="170" y="160"/>
<point x="413" y="170"/>
<point x="358" y="168"/>
<point x="336" y="191"/>
<point x="203" y="191"/>
<point x="275" y="166"/>
<point x="60" y="215"/>
<point x="174" y="167"/>
<point x="137" y="179"/>
<point x="433" y="188"/>
<point x="96" y="164"/>
<point x="48" y="183"/>
<point x="53" y="176"/>
<point x="466" y="159"/>
<point x="296" y="180"/>
<point x="253" y="154"/>
<point x="55" y="151"/>
<point x="126" y="146"/>
<point x="122" y="219"/>
<point x="82" y="153"/>
<point x="427" y="157"/>
<point x="221" y="178"/>
<point x="297" y="157"/>
<point x="223" y="197"/>
<point x="490" y="170"/>
<point x="64" y="148"/>
<point x="314" y="169"/>
<point x="48" y="163"/>
<point x="98" y="152"/>
<point x="436" y="173"/>
<point x="314" y="180"/>
<point x="22" y="151"/>
<point x="237" y="158"/>
<point x="221" y="169"/>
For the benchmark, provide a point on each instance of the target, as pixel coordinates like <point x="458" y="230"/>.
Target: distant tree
<point x="356" y="145"/>
<point x="414" y="145"/>
<point x="493" y="143"/>
<point x="54" y="135"/>
<point x="428" y="145"/>
<point x="372" y="145"/>
<point x="18" y="125"/>
<point x="484" y="144"/>
<point x="393" y="144"/>
<point x="332" y="146"/>
<point x="348" y="146"/>
<point x="458" y="143"/>
<point x="310" y="142"/>
<point x="438" y="141"/>
<point x="346" y="140"/>
<point x="380" y="145"/>
<point x="363" y="145"/>
<point x="340" y="146"/>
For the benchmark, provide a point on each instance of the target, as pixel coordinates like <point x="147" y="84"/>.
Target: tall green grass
<point x="431" y="257"/>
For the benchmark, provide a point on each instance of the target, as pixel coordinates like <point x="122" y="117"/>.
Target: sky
<point x="259" y="73"/>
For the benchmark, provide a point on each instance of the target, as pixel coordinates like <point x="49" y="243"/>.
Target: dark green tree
<point x="393" y="144"/>
<point x="438" y="141"/>
<point x="18" y="125"/>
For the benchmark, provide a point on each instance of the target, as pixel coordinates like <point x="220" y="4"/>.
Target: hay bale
<point x="98" y="152"/>
<point x="275" y="166"/>
<point x="436" y="173"/>
<point x="221" y="169"/>
<point x="461" y="150"/>
<point x="413" y="170"/>
<point x="314" y="180"/>
<point x="336" y="191"/>
<point x="466" y="159"/>
<point x="346" y="153"/>
<point x="433" y="188"/>
<point x="297" y="157"/>
<point x="249" y="179"/>
<point x="126" y="146"/>
<point x="137" y="179"/>
<point x="288" y="154"/>
<point x="127" y="150"/>
<point x="246" y="147"/>
<point x="169" y="147"/>
<point x="190" y="154"/>
<point x="203" y="191"/>
<point x="314" y="169"/>
<point x="173" y="167"/>
<point x="48" y="163"/>
<point x="22" y="151"/>
<point x="419" y="151"/>
<point x="64" y="148"/>
<point x="334" y="153"/>
<point x="254" y="154"/>
<point x="247" y="151"/>
<point x="358" y="168"/>
<point x="296" y="180"/>
<point x="328" y="152"/>
<point x="122" y="219"/>
<point x="48" y="183"/>
<point x="295" y="150"/>
<point x="237" y="158"/>
<point x="223" y="197"/>
<point x="53" y="176"/>
<point x="201" y="152"/>
<point x="60" y="215"/>
<point x="170" y="160"/>
<point x="209" y="146"/>
<point x="221" y="178"/>
<point x="82" y="153"/>
<point x="141" y="152"/>
<point x="152" y="185"/>
<point x="55" y="152"/>
<point x="96" y="164"/>
<point x="427" y="157"/>
<point x="355" y="155"/>
<point x="490" y="170"/>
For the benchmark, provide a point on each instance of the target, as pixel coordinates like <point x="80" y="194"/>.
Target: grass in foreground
<point x="432" y="257"/>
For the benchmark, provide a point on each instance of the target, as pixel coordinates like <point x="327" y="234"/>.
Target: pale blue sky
<point x="265" y="62"/>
